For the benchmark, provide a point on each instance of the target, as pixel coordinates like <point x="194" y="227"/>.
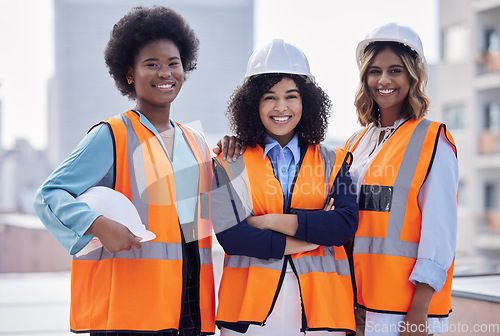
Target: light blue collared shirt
<point x="284" y="160"/>
<point x="91" y="164"/>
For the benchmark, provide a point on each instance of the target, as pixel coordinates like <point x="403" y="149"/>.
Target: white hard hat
<point x="392" y="32"/>
<point x="278" y="57"/>
<point x="116" y="206"/>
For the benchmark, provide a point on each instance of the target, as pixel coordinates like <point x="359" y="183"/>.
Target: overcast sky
<point x="327" y="31"/>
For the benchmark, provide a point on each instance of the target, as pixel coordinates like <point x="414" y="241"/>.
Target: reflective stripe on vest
<point x="153" y="274"/>
<point x="386" y="243"/>
<point x="250" y="285"/>
<point x="238" y="261"/>
<point x="150" y="250"/>
<point x="324" y="264"/>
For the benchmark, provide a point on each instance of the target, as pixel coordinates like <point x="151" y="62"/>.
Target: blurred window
<point x="455" y="44"/>
<point x="491" y="195"/>
<point x="492" y="116"/>
<point x="492" y="41"/>
<point x="461" y="193"/>
<point x="454" y="117"/>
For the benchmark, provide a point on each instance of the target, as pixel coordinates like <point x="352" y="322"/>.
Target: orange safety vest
<point x="386" y="242"/>
<point x="250" y="286"/>
<point x="142" y="289"/>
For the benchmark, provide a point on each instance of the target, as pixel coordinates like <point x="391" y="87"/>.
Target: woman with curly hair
<point x="283" y="210"/>
<point x="163" y="286"/>
<point x="406" y="172"/>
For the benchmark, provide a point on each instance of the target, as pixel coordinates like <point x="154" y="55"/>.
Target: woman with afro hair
<point x="128" y="284"/>
<point x="283" y="210"/>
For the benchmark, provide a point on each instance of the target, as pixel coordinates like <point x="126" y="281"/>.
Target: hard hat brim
<point x="116" y="206"/>
<point x="146" y="235"/>
<point x="278" y="57"/>
<point x="306" y="76"/>
<point x="363" y="44"/>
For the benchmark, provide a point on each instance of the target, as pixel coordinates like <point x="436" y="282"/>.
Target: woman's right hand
<point x="230" y="148"/>
<point x="114" y="236"/>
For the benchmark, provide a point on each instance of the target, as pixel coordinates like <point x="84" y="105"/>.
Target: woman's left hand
<point x="329" y="205"/>
<point x="414" y="324"/>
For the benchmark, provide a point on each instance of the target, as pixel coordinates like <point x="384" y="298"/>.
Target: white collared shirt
<point x="284" y="160"/>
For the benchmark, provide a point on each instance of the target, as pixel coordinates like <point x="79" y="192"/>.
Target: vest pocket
<point x="375" y="198"/>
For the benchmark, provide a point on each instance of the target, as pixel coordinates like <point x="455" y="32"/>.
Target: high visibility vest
<point x="386" y="242"/>
<point x="250" y="286"/>
<point x="142" y="289"/>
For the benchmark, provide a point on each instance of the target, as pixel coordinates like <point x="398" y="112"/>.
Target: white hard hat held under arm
<point x="116" y="206"/>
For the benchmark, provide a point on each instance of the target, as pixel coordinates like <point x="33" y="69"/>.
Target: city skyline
<point x="25" y="72"/>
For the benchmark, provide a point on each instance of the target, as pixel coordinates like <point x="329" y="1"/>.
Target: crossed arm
<point x="274" y="235"/>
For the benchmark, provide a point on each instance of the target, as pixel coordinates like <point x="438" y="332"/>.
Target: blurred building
<point x="467" y="83"/>
<point x="82" y="93"/>
<point x="26" y="246"/>
<point x="22" y="171"/>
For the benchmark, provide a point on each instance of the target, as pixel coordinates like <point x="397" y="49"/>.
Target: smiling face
<point x="389" y="82"/>
<point x="280" y="110"/>
<point x="157" y="74"/>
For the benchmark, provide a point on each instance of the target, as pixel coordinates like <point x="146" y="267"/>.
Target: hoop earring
<point x="130" y="80"/>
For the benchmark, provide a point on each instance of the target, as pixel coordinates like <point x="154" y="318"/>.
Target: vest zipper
<point x="304" y="327"/>
<point x="184" y="277"/>
<point x="288" y="209"/>
<point x="283" y="270"/>
<point x="278" y="289"/>
<point x="350" y="257"/>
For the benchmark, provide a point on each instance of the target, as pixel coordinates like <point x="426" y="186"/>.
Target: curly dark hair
<point x="244" y="118"/>
<point x="139" y="27"/>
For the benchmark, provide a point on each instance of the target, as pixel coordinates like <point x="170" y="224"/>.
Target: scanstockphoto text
<point x="430" y="327"/>
<point x="316" y="183"/>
